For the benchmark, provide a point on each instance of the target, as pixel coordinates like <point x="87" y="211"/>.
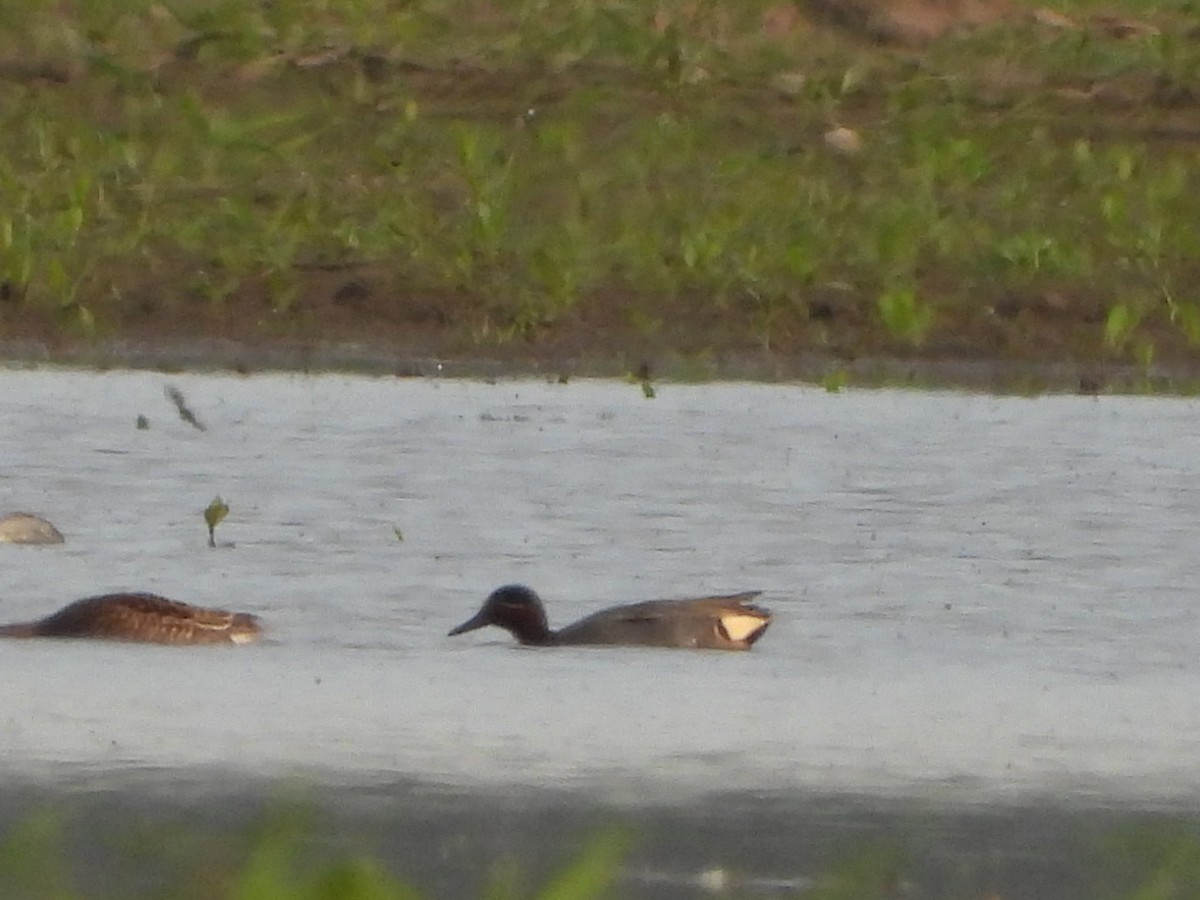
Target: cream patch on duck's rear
<point x="741" y="626"/>
<point x="243" y="637"/>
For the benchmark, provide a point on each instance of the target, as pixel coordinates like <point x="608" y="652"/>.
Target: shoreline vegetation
<point x="983" y="193"/>
<point x="283" y="855"/>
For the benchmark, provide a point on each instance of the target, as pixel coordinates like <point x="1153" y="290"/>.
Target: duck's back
<point x="146" y="618"/>
<point x="728" y="622"/>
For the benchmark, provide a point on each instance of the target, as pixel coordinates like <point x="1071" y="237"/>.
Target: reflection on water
<point x="977" y="599"/>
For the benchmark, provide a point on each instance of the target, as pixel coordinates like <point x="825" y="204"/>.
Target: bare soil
<point x="352" y="320"/>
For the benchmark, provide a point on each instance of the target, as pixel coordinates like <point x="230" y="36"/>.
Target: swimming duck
<point x="145" y="618"/>
<point x="26" y="528"/>
<point x="728" y="622"/>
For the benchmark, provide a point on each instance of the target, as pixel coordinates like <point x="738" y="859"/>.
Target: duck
<point x="141" y="618"/>
<point x="27" y="528"/>
<point x="723" y="622"/>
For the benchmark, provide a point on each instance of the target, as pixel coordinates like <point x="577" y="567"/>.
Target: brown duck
<point x="144" y="618"/>
<point x="727" y="622"/>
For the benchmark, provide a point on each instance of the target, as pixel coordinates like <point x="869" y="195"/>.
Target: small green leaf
<point x="1186" y="316"/>
<point x="85" y="321"/>
<point x="213" y="516"/>
<point x="1118" y="326"/>
<point x="593" y="872"/>
<point x="1144" y="353"/>
<point x="834" y="381"/>
<point x="905" y="316"/>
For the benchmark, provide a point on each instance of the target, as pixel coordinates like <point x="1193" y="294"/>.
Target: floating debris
<point x="26" y="528"/>
<point x="143" y="424"/>
<point x="176" y="396"/>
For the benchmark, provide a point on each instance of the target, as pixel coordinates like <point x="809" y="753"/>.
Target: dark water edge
<point x="450" y="842"/>
<point x="978" y="374"/>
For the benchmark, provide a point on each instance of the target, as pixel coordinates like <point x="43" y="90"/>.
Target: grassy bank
<point x="547" y="180"/>
<point x="278" y="861"/>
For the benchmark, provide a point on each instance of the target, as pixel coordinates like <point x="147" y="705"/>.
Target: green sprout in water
<point x="214" y="514"/>
<point x="642" y="378"/>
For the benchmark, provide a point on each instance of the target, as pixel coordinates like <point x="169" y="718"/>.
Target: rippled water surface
<point x="978" y="600"/>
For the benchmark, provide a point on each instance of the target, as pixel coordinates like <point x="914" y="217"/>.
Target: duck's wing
<point x="727" y="621"/>
<point x="723" y="601"/>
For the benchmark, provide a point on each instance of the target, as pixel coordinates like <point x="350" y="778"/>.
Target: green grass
<point x="278" y="860"/>
<point x="514" y="173"/>
<point x="281" y="858"/>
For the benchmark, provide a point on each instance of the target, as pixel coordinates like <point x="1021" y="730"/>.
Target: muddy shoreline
<point x="363" y="358"/>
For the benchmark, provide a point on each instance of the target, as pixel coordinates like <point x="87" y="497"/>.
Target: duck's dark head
<point x="517" y="609"/>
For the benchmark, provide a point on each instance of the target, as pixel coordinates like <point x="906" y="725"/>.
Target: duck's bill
<point x="479" y="620"/>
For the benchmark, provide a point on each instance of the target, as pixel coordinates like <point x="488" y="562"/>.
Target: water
<point x="982" y="604"/>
